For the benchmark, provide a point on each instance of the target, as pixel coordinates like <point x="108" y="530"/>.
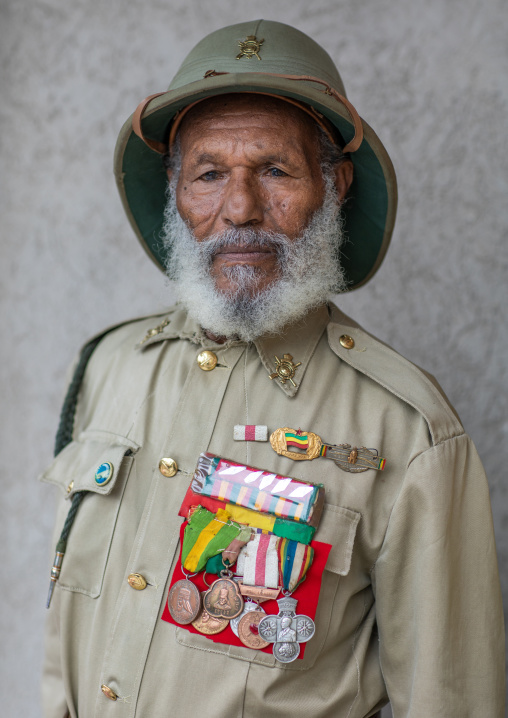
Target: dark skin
<point x="250" y="161"/>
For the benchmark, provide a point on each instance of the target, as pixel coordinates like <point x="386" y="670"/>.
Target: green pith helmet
<point x="269" y="58"/>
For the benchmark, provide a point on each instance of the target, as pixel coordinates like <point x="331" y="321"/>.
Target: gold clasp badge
<point x="307" y="442"/>
<point x="348" y="458"/>
<point x="249" y="47"/>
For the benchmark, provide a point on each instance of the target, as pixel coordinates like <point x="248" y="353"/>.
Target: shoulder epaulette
<point x="398" y="375"/>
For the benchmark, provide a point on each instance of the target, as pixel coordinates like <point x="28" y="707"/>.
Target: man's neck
<point x="214" y="338"/>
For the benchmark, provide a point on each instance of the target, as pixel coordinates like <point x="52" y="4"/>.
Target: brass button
<point x="70" y="487"/>
<point x="207" y="360"/>
<point x="168" y="467"/>
<point x="346" y="341"/>
<point x="109" y="693"/>
<point x="137" y="581"/>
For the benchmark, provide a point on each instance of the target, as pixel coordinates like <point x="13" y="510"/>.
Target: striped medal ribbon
<point x="295" y="558"/>
<point x="271" y="562"/>
<point x="206" y="535"/>
<point x="288" y="630"/>
<point x="258" y="562"/>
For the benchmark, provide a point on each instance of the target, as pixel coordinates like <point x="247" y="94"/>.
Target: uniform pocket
<point x="110" y="457"/>
<point x="338" y="528"/>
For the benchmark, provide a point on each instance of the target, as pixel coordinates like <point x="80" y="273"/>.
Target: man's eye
<point x="210" y="176"/>
<point x="276" y="172"/>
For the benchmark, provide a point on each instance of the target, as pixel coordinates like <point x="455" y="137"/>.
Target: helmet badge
<point x="249" y="47"/>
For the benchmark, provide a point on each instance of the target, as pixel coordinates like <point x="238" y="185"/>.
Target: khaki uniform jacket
<point x="410" y="606"/>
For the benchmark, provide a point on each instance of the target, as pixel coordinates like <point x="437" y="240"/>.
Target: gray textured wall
<point x="430" y="77"/>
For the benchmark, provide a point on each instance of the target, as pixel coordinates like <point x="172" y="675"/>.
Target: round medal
<point x="248" y="607"/>
<point x="248" y="631"/>
<point x="209" y="625"/>
<point x="184" y="602"/>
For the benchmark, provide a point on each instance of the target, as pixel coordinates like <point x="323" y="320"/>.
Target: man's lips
<point x="238" y="253"/>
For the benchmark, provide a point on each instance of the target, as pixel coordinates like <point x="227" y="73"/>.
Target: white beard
<point x="309" y="272"/>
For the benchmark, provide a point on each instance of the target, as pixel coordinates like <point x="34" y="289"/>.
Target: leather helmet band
<point x="322" y="121"/>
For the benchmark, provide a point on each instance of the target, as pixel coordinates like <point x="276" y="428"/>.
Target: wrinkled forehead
<point x="244" y="110"/>
<point x="248" y="113"/>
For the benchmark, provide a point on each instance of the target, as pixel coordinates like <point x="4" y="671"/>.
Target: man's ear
<point x="169" y="173"/>
<point x="343" y="178"/>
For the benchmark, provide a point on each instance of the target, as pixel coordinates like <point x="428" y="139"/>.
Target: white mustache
<point x="248" y="237"/>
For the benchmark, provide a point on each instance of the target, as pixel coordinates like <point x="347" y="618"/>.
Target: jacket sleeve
<point x="438" y="598"/>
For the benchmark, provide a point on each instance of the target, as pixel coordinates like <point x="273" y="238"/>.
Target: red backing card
<point x="307" y="594"/>
<point x="192" y="499"/>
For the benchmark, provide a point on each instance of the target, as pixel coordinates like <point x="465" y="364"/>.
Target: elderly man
<point x="254" y="418"/>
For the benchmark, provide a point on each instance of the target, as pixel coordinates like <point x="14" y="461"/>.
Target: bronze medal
<point x="247" y="607"/>
<point x="223" y="599"/>
<point x="248" y="630"/>
<point x="184" y="602"/>
<point x="209" y="625"/>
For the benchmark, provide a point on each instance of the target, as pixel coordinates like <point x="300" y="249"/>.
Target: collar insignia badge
<point x="152" y="332"/>
<point x="249" y="47"/>
<point x="348" y="458"/>
<point x="285" y="369"/>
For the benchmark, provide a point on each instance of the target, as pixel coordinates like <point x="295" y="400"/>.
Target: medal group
<point x="260" y="524"/>
<point x="248" y="538"/>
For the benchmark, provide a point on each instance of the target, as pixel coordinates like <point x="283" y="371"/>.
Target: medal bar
<point x="347" y="457"/>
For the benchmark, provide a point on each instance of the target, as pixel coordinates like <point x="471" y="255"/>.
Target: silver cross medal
<point x="286" y="630"/>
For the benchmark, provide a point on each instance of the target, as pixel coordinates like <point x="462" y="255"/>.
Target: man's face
<point x="253" y="162"/>
<point x="252" y="224"/>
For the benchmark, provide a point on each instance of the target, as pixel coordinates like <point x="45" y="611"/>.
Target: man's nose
<point x="243" y="203"/>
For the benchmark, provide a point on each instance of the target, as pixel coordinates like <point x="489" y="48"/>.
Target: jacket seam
<point x="245" y="690"/>
<point x="434" y="446"/>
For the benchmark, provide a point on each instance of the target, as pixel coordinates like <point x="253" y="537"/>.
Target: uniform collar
<point x="298" y="340"/>
<point x="176" y="324"/>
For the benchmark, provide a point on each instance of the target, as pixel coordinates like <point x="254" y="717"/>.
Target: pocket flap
<point x="338" y="528"/>
<point x="90" y="463"/>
